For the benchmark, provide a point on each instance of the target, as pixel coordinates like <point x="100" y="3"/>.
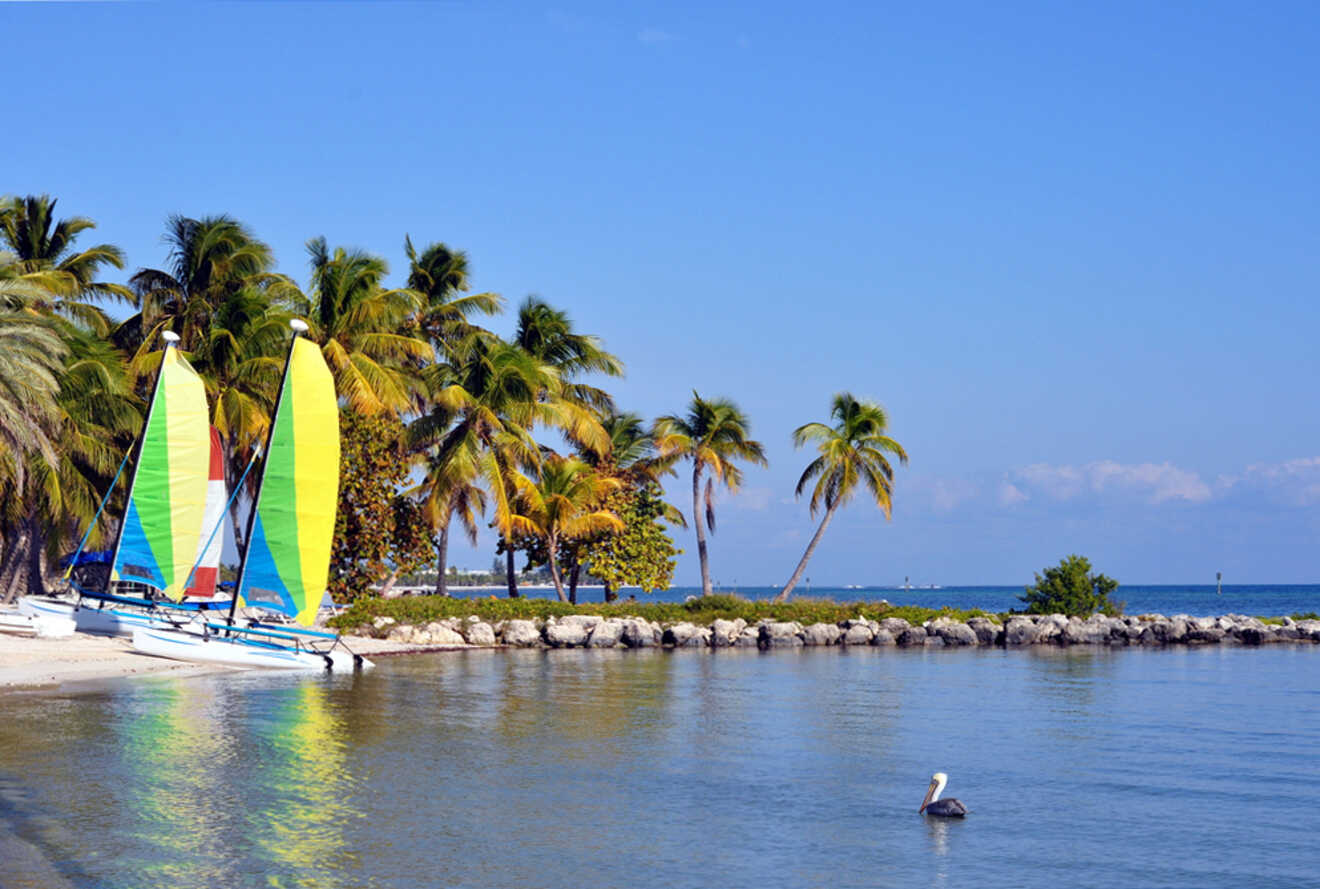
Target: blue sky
<point x="1071" y="247"/>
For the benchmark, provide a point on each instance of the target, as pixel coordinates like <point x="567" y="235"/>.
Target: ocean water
<point x="1179" y="767"/>
<point x="1259" y="600"/>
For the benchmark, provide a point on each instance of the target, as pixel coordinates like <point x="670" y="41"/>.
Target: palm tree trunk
<point x="554" y="569"/>
<point x="697" y="520"/>
<point x="510" y="574"/>
<point x="573" y="576"/>
<point x="442" y="560"/>
<point x="806" y="557"/>
<point x="15" y="556"/>
<point x="610" y="592"/>
<point x="21" y="569"/>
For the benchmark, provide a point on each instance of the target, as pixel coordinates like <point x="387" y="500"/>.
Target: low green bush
<point x="698" y="610"/>
<point x="1070" y="588"/>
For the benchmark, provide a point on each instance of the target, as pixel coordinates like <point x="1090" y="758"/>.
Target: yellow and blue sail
<point x="287" y="562"/>
<point x="167" y="497"/>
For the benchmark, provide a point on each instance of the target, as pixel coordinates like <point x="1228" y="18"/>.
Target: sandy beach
<point x="43" y="663"/>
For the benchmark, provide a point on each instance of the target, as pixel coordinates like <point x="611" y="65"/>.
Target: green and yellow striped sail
<point x="167" y="497"/>
<point x="288" y="555"/>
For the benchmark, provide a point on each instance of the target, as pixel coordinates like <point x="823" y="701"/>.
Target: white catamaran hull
<point x="87" y="618"/>
<point x="183" y="645"/>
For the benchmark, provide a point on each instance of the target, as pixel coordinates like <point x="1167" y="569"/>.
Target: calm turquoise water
<point x="1180" y="767"/>
<point x="1199" y="601"/>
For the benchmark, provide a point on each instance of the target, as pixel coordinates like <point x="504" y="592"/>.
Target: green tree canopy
<point x="1070" y="588"/>
<point x="642" y="554"/>
<point x="379" y="532"/>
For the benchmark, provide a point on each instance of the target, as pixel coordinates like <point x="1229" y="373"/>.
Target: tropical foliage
<point x="853" y="453"/>
<point x="379" y="532"/>
<point x="1070" y="588"/>
<point x="713" y="435"/>
<point x="443" y="419"/>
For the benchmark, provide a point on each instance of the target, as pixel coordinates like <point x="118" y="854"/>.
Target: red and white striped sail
<point x="208" y="550"/>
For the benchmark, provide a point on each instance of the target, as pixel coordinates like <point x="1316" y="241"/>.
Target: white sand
<point x="46" y="662"/>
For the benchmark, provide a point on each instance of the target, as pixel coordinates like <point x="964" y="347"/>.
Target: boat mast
<point x="299" y="326"/>
<point x="171" y="341"/>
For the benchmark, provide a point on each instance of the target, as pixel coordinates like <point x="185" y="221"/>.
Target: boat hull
<point x="184" y="645"/>
<point x="87" y="619"/>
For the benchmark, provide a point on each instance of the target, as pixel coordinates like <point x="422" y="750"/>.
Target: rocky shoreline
<point x="593" y="631"/>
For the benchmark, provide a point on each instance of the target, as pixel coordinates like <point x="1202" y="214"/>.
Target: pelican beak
<point x="930" y="791"/>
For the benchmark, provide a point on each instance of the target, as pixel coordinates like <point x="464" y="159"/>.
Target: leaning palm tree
<point x="563" y="503"/>
<point x="852" y="454"/>
<point x="41" y="245"/>
<point x="713" y="435"/>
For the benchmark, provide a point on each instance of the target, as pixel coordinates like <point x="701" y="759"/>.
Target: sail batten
<point x="287" y="559"/>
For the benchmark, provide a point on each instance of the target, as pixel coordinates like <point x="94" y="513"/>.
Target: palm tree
<point x="364" y="328"/>
<point x="31" y="362"/>
<point x="440" y="275"/>
<point x="712" y="435"/>
<point x="218" y="293"/>
<point x="562" y="504"/>
<point x="852" y="454"/>
<point x="211" y="259"/>
<point x="42" y="246"/>
<point x="50" y="494"/>
<point x="547" y="333"/>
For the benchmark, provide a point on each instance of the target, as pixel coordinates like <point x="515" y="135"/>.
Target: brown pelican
<point x="933" y="805"/>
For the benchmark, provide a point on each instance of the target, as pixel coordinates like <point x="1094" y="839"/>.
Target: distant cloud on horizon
<point x="1292" y="483"/>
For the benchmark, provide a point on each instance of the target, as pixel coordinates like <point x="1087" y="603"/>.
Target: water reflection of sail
<point x="304" y="769"/>
<point x="176" y="746"/>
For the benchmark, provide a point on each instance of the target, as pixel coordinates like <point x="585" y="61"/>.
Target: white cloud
<point x="1152" y="482"/>
<point x="1011" y="495"/>
<point x="1292" y="482"/>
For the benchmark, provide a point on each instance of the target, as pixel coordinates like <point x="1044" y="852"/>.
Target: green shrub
<point x="698" y="610"/>
<point x="1070" y="588"/>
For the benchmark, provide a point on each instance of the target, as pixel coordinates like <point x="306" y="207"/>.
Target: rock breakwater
<point x="594" y="631"/>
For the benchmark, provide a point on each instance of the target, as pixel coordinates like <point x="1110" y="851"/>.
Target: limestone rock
<point x="678" y="634"/>
<point x="724" y="632"/>
<point x="956" y="634"/>
<point x="442" y="632"/>
<point x="522" y="633"/>
<point x="638" y="633"/>
<point x="912" y="637"/>
<point x="780" y="634"/>
<point x="565" y="634"/>
<point x="1019" y="631"/>
<point x="858" y="634"/>
<point x="987" y="631"/>
<point x="894" y="625"/>
<point x="882" y="637"/>
<point x="749" y="637"/>
<point x="606" y="634"/>
<point x="400" y="633"/>
<point x="821" y="634"/>
<point x="585" y="621"/>
<point x="478" y="632"/>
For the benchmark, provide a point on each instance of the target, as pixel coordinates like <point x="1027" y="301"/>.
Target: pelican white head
<point x="937" y="782"/>
<point x="298" y="325"/>
<point x="169" y="336"/>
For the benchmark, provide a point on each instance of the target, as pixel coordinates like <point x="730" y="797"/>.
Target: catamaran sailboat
<point x="159" y="541"/>
<point x="286" y="562"/>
